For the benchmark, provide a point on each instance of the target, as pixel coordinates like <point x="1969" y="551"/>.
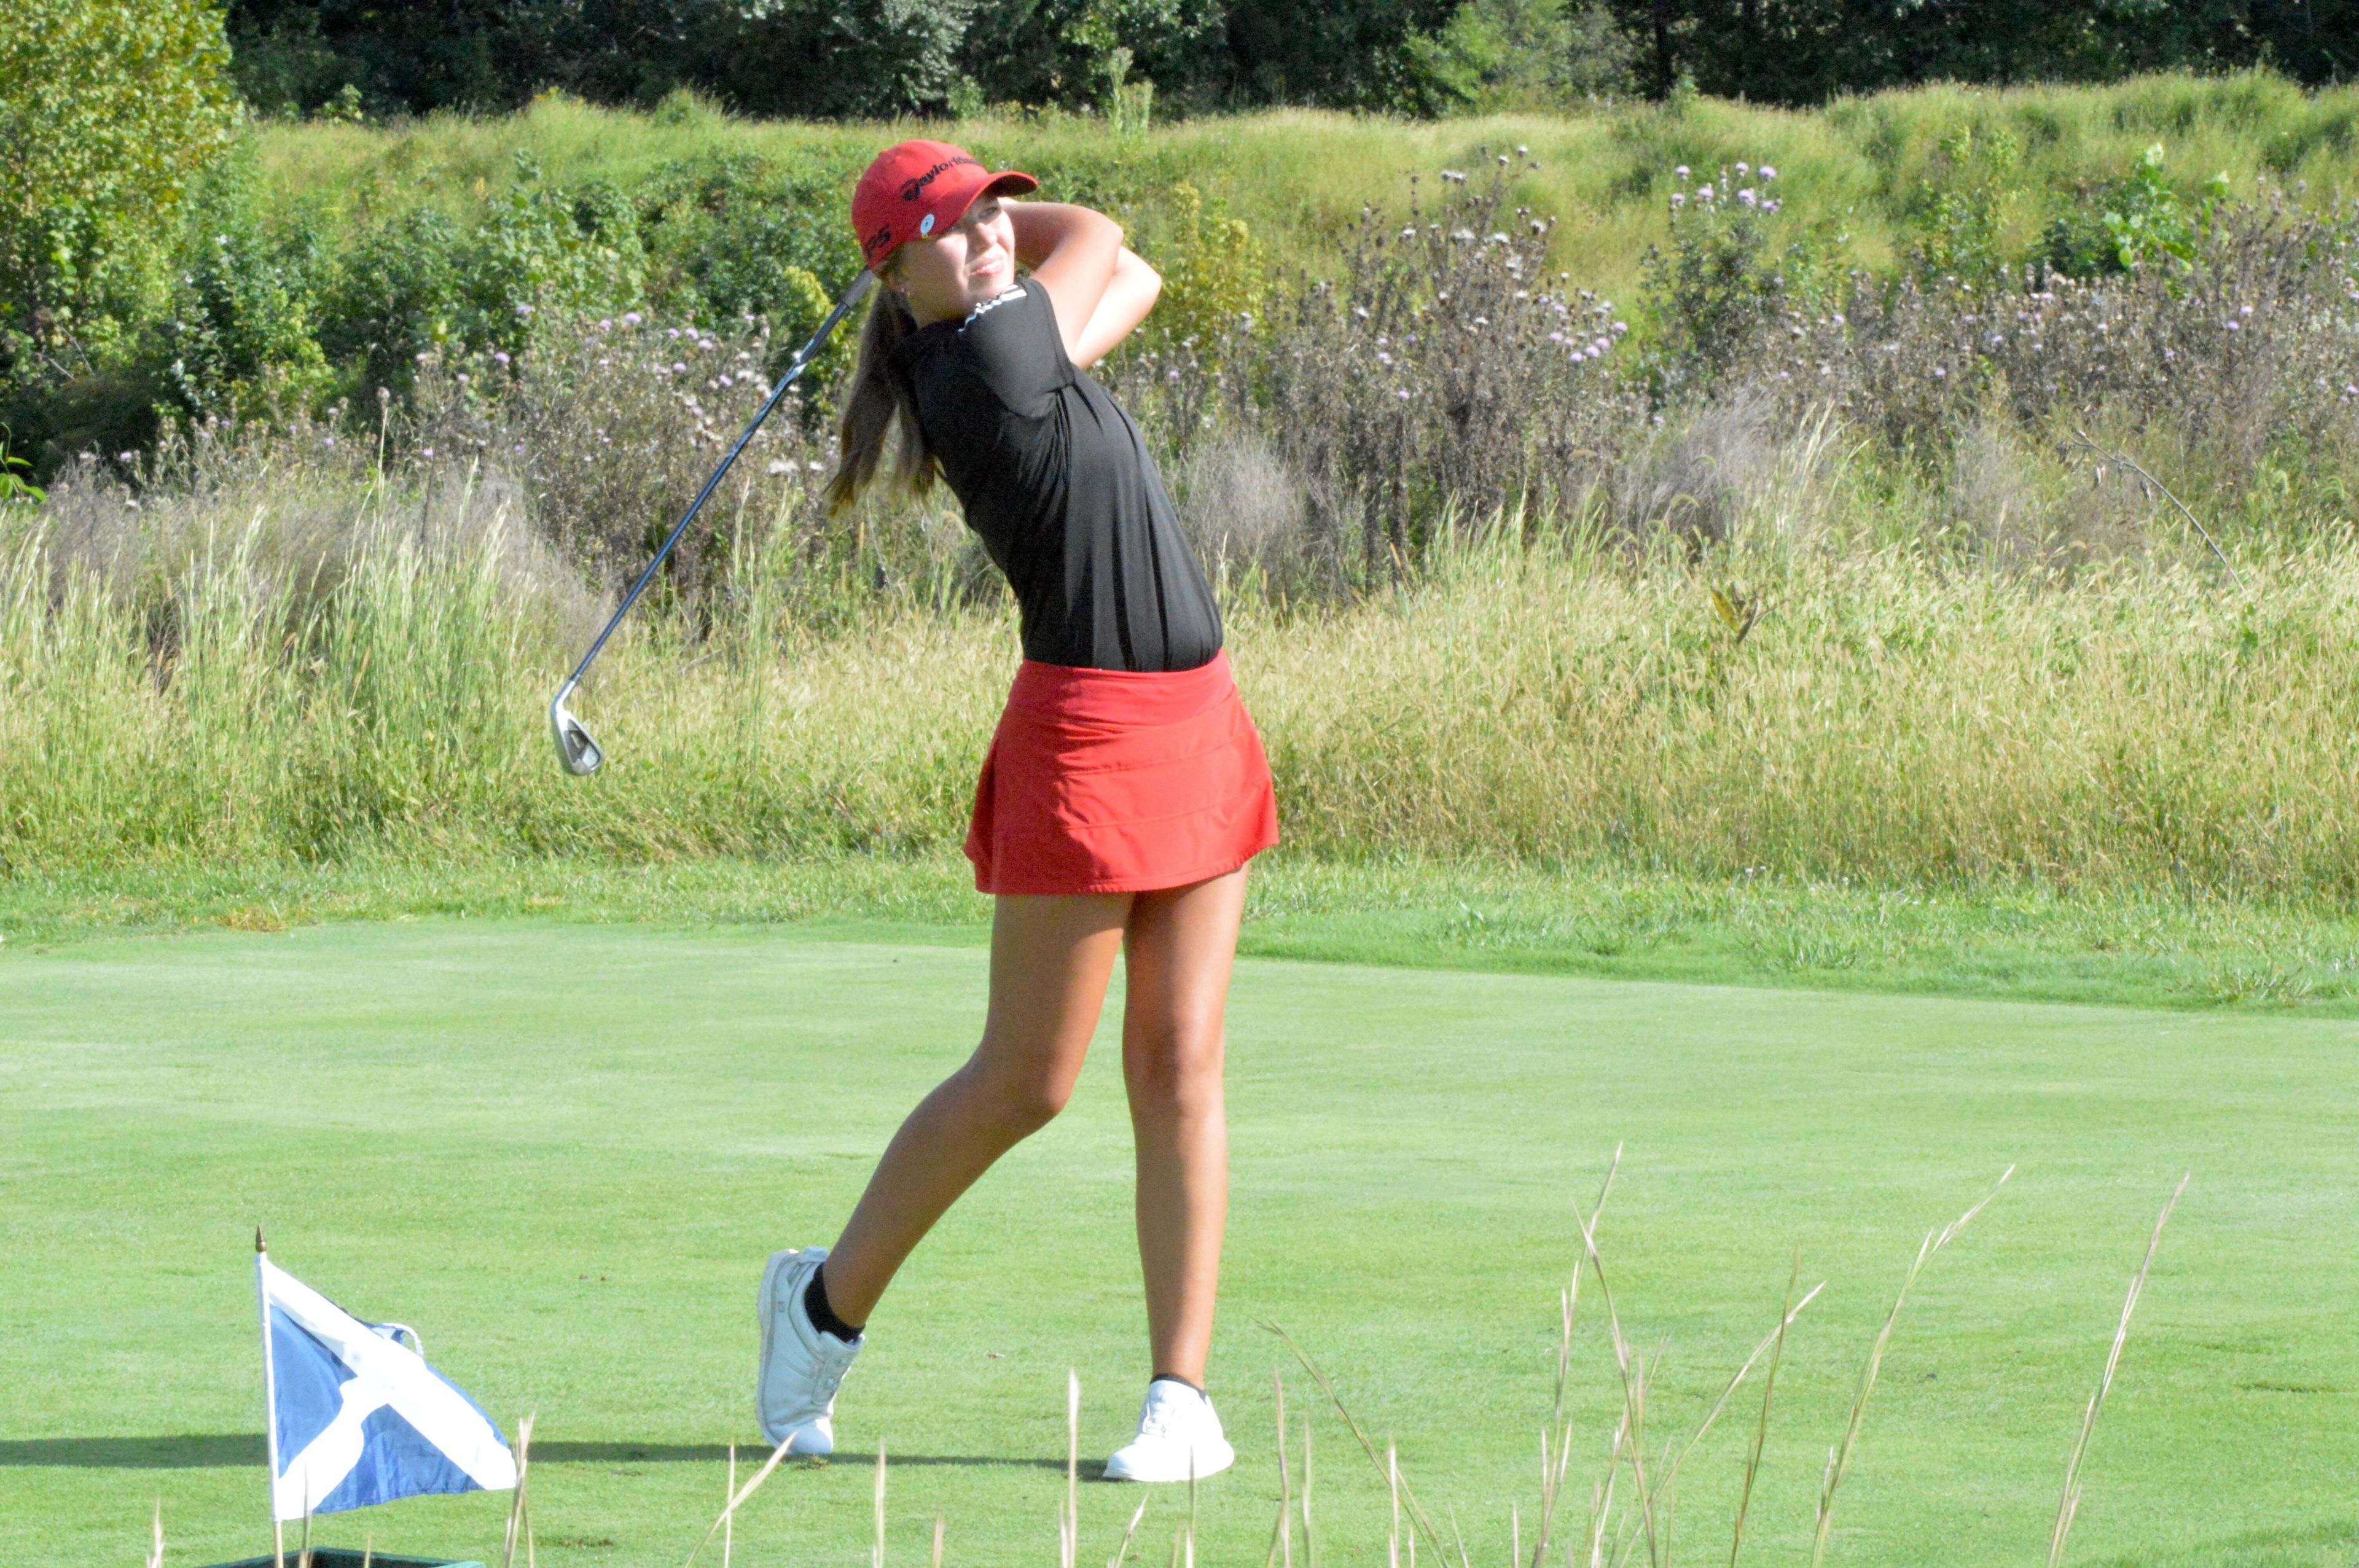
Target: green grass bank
<point x="1298" y="177"/>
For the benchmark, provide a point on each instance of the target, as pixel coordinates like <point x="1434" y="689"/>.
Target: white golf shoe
<point x="1179" y="1435"/>
<point x="801" y="1367"/>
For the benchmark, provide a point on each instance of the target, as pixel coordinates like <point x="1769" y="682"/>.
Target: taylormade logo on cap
<point x="916" y="190"/>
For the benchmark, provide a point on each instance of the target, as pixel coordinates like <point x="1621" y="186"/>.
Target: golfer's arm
<point x="1130" y="295"/>
<point x="1073" y="253"/>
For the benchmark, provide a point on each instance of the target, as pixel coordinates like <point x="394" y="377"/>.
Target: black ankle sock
<point x="1163" y="1377"/>
<point x="822" y="1315"/>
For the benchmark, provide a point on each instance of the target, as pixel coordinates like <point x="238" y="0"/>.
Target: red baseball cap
<point x="918" y="188"/>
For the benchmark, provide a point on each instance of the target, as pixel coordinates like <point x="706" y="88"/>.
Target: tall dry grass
<point x="309" y="661"/>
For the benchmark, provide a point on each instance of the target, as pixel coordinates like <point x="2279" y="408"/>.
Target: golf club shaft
<point x="803" y="357"/>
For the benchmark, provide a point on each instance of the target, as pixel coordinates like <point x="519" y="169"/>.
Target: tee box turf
<point x="343" y="1557"/>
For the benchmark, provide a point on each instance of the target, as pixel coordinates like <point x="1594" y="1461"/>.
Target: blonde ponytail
<point x="882" y="395"/>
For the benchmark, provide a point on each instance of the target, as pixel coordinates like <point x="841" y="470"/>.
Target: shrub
<point x="108" y="109"/>
<point x="2136" y="220"/>
<point x="241" y="335"/>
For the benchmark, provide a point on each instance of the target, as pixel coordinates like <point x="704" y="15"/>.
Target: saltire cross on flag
<point x="357" y="1417"/>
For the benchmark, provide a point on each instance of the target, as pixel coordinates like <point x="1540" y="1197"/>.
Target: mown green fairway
<point x="563" y="1151"/>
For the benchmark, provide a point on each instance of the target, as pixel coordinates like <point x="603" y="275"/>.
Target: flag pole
<point x="269" y="1404"/>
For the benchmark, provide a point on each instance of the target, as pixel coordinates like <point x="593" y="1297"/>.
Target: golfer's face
<point x="959" y="268"/>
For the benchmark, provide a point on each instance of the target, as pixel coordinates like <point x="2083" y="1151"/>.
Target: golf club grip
<point x="803" y="357"/>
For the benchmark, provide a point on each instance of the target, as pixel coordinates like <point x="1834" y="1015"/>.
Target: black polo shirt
<point x="1058" y="483"/>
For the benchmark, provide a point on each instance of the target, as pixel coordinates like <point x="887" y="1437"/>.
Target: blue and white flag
<point x="357" y="1417"/>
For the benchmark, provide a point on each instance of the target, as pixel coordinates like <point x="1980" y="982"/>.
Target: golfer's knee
<point x="1020" y="1104"/>
<point x="1175" y="1065"/>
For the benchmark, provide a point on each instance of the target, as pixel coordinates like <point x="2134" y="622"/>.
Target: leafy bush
<point x="108" y="109"/>
<point x="2135" y="220"/>
<point x="242" y="334"/>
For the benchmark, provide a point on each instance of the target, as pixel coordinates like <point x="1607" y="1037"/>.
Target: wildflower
<point x="500" y="357"/>
<point x="1744" y="168"/>
<point x="632" y="318"/>
<point x="679" y="367"/>
<point x="779" y="466"/>
<point x="1746" y="199"/>
<point x="426" y="451"/>
<point x="1940" y="372"/>
<point x="1620" y="328"/>
<point x="1172" y="374"/>
<point x="462" y="378"/>
<point x="1703" y="192"/>
<point x="816" y="468"/>
<point x="1464" y="236"/>
<point x="1599" y="345"/>
<point x="134" y="456"/>
<point x="1382" y="358"/>
<point x="672" y="333"/>
<point x="1767" y="173"/>
<point x="2236" y="326"/>
<point x="724" y="378"/>
<point x="1522" y="150"/>
<point x="2245" y="310"/>
<point x="328" y="442"/>
<point x="1772" y="205"/>
<point x="606" y="323"/>
<point x="1360" y="312"/>
<point x="524" y="312"/>
<point x="1402" y="395"/>
<point x="1682" y="171"/>
<point x="1555" y="337"/>
<point x="1679" y="198"/>
<point x="1497" y="239"/>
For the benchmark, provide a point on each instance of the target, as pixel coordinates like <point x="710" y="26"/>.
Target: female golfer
<point x="1124" y="792"/>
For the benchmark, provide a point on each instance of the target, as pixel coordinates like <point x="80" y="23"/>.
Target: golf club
<point x="576" y="751"/>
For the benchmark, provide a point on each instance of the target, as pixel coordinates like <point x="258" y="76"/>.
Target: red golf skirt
<point x="1119" y="780"/>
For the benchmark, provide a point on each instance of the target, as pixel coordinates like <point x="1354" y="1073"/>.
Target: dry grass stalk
<point x="877" y="1553"/>
<point x="777" y="1456"/>
<point x="728" y="1520"/>
<point x="2068" y="1507"/>
<point x="519" y="1521"/>
<point x="1069" y="1520"/>
<point x="1407" y="1493"/>
<point x="1774" y="1337"/>
<point x="1122" y="1555"/>
<point x="1633" y="1376"/>
<point x="1839" y="1457"/>
<point x="1601" y="1500"/>
<point x="1281" y="1535"/>
<point x="155" y="1537"/>
<point x="1310" y="1535"/>
<point x="938" y="1540"/>
<point x="1392" y="1484"/>
<point x="368" y="1549"/>
<point x="1761" y="1428"/>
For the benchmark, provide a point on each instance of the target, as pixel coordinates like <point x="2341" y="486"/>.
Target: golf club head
<point x="577" y="753"/>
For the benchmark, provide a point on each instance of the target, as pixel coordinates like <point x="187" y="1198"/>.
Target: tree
<point x="108" y="109"/>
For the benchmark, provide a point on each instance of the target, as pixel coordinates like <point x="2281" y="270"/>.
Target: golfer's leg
<point x="1180" y="946"/>
<point x="1051" y="958"/>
